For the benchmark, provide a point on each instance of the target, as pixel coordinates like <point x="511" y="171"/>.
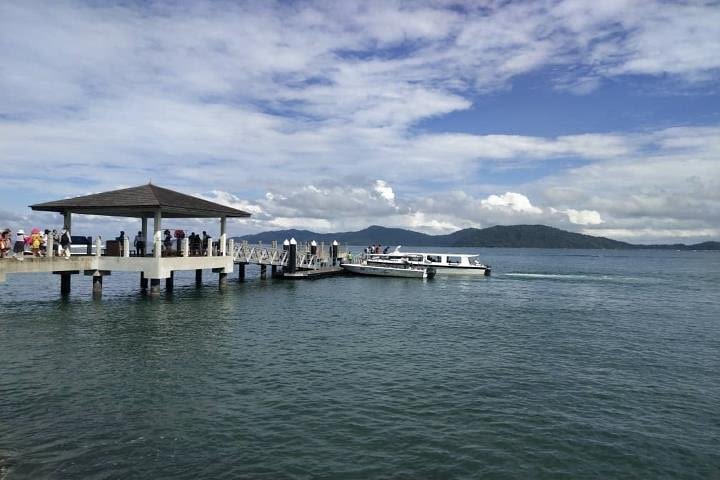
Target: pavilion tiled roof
<point x="140" y="202"/>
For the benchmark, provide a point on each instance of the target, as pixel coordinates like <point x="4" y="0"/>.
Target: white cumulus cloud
<point x="512" y="201"/>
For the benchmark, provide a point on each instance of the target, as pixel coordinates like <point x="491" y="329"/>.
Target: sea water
<point x="562" y="364"/>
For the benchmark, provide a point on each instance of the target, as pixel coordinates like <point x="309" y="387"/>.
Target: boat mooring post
<point x="292" y="256"/>
<point x="334" y="253"/>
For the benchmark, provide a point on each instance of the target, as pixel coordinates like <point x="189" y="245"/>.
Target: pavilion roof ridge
<point x="141" y="201"/>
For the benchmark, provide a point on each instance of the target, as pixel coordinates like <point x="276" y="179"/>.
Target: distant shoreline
<point x="515" y="236"/>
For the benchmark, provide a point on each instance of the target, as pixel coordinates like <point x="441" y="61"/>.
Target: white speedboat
<point x="400" y="270"/>
<point x="443" y="263"/>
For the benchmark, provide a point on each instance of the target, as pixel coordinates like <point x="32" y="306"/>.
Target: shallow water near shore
<point x="563" y="364"/>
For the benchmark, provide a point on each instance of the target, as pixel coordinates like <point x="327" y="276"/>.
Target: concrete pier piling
<point x="65" y="283"/>
<point x="97" y="285"/>
<point x="263" y="271"/>
<point x="241" y="272"/>
<point x="198" y="277"/>
<point x="143" y="282"/>
<point x="154" y="287"/>
<point x="170" y="282"/>
<point x="222" y="280"/>
<point x="273" y="271"/>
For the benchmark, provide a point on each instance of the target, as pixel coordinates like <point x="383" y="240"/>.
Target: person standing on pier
<point x="139" y="244"/>
<point x="65" y="242"/>
<point x="205" y="238"/>
<point x="35" y="241"/>
<point x="167" y="243"/>
<point x="121" y="242"/>
<point x="19" y="247"/>
<point x="5" y="242"/>
<point x="44" y="244"/>
<point x="56" y="242"/>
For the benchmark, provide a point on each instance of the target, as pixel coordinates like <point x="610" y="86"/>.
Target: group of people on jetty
<point x="197" y="244"/>
<point x="376" y="249"/>
<point x="18" y="244"/>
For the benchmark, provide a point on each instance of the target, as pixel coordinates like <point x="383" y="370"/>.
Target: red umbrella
<point x="35" y="230"/>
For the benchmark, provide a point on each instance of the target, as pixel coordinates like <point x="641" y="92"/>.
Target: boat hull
<point x="462" y="271"/>
<point x="440" y="269"/>
<point x="380" y="271"/>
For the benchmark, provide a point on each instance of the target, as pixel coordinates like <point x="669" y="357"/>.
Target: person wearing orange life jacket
<point x="35" y="241"/>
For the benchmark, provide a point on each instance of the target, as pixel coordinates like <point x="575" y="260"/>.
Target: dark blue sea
<point x="562" y="364"/>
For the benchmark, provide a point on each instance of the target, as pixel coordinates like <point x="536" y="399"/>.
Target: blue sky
<point x="597" y="117"/>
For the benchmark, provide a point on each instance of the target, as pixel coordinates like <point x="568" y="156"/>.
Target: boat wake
<point x="563" y="276"/>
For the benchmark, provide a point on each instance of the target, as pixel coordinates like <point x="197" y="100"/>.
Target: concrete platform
<point x="151" y="267"/>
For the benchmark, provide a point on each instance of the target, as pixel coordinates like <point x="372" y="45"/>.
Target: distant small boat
<point x="443" y="263"/>
<point x="406" y="271"/>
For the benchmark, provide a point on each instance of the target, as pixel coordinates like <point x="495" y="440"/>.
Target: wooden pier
<point x="290" y="261"/>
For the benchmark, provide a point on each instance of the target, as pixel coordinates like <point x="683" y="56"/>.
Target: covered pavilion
<point x="144" y="201"/>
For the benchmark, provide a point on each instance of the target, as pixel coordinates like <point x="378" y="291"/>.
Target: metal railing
<point x="273" y="255"/>
<point x="259" y="255"/>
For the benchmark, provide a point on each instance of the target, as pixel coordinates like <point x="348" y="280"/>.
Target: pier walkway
<point x="151" y="201"/>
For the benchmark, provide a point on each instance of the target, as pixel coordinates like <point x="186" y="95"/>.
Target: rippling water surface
<point x="564" y="364"/>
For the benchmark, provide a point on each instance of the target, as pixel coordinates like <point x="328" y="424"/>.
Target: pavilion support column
<point x="143" y="235"/>
<point x="198" y="277"/>
<point x="67" y="221"/>
<point x="223" y="237"/>
<point x="154" y="287"/>
<point x="143" y="282"/>
<point x="170" y="282"/>
<point x="157" y="235"/>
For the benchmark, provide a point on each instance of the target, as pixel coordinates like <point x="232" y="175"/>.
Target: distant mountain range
<point x="515" y="236"/>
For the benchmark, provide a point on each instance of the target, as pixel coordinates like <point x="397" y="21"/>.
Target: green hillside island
<point x="515" y="236"/>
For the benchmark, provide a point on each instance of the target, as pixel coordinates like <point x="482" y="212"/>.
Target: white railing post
<point x="49" y="246"/>
<point x="98" y="246"/>
<point x="223" y="244"/>
<point x="185" y="246"/>
<point x="126" y="247"/>
<point x="210" y="247"/>
<point x="231" y="247"/>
